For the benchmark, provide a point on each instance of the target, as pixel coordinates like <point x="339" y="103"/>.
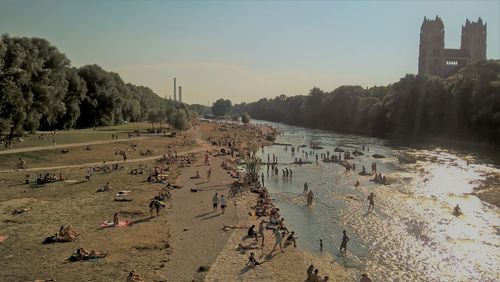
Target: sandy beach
<point x="185" y="243"/>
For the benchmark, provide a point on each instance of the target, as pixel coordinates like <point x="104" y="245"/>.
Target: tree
<point x="179" y="119"/>
<point x="153" y="117"/>
<point x="245" y="118"/>
<point x="221" y="107"/>
<point x="235" y="117"/>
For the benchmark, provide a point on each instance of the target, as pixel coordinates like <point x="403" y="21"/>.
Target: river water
<point x="411" y="235"/>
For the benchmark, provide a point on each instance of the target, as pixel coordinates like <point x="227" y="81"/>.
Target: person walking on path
<point x="222" y="202"/>
<point x="215" y="202"/>
<point x="345" y="239"/>
<point x="279" y="240"/>
<point x="209" y="173"/>
<point x="260" y="233"/>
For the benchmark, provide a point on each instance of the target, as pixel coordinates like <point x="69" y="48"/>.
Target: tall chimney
<point x="180" y="94"/>
<point x="175" y="90"/>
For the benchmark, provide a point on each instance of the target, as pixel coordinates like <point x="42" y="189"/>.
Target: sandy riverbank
<point x="288" y="266"/>
<point x="187" y="235"/>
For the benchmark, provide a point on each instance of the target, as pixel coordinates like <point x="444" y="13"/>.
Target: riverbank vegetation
<point x="40" y="90"/>
<point x="465" y="106"/>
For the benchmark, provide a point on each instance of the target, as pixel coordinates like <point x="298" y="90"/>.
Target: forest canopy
<point x="40" y="90"/>
<point x="463" y="106"/>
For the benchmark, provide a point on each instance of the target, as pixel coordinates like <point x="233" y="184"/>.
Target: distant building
<point x="434" y="59"/>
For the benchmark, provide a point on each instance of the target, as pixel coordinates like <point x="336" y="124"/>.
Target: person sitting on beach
<point x="291" y="239"/>
<point x="357" y="183"/>
<point x="457" y="210"/>
<point x="251" y="231"/>
<point x="82" y="254"/>
<point x="105" y="188"/>
<point x="68" y="233"/>
<point x="196" y="176"/>
<point x="134" y="277"/>
<point x="116" y="219"/>
<point x="365" y="278"/>
<point x="252" y="262"/>
<point x="310" y="271"/>
<point x="314" y="276"/>
<point x="251" y="246"/>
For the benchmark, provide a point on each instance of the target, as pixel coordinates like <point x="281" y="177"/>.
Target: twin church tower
<point x="434" y="59"/>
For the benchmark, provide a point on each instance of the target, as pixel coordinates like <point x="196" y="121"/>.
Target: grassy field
<point x="98" y="153"/>
<point x="81" y="135"/>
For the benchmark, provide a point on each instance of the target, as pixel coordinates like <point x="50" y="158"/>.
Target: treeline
<point x="40" y="90"/>
<point x="463" y="106"/>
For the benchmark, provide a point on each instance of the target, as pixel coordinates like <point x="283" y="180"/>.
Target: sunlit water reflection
<point x="411" y="235"/>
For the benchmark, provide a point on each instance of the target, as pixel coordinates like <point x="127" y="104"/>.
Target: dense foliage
<point x="245" y="118"/>
<point x="221" y="107"/>
<point x="40" y="90"/>
<point x="463" y="106"/>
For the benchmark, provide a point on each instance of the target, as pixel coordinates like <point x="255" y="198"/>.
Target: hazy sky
<point x="245" y="50"/>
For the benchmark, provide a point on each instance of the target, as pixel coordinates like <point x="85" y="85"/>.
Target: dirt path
<point x="69" y="145"/>
<point x="196" y="230"/>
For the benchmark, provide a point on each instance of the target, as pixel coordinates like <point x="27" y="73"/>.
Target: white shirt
<point x="222" y="201"/>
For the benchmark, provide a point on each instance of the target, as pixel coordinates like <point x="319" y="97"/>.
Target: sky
<point x="245" y="50"/>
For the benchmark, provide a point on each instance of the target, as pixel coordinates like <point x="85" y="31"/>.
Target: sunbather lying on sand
<point x="22" y="210"/>
<point x="227" y="227"/>
<point x="82" y="254"/>
<point x="134" y="277"/>
<point x="251" y="246"/>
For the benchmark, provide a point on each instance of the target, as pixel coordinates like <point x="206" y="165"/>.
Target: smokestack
<point x="180" y="94"/>
<point x="175" y="89"/>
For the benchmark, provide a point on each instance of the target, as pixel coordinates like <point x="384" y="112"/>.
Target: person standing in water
<point x="345" y="239"/>
<point x="320" y="245"/>
<point x="306" y="187"/>
<point x="310" y="197"/>
<point x="372" y="203"/>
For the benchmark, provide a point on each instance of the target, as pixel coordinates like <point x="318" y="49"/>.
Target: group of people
<point x="216" y="201"/>
<point x="174" y="158"/>
<point x="42" y="179"/>
<point x="313" y="275"/>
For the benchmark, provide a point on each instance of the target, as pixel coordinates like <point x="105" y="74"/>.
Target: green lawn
<point x="81" y="135"/>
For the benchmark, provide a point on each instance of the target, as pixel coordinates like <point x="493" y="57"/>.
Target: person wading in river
<point x="372" y="203"/>
<point x="345" y="239"/>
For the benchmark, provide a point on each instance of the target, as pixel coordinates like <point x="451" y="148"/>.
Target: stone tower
<point x="474" y="40"/>
<point x="431" y="52"/>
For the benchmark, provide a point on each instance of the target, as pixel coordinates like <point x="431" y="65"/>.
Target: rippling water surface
<point x="411" y="235"/>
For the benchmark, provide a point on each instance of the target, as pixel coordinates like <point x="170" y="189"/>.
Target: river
<point x="412" y="234"/>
